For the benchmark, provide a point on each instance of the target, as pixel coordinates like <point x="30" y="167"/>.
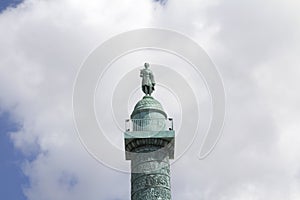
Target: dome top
<point x="148" y="103"/>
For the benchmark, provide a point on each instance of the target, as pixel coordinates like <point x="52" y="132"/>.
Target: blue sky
<point x="12" y="178"/>
<point x="8" y="3"/>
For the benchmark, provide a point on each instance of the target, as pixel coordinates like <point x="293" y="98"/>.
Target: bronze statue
<point x="148" y="82"/>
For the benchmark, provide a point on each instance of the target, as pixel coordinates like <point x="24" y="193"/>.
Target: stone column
<point x="149" y="144"/>
<point x="150" y="177"/>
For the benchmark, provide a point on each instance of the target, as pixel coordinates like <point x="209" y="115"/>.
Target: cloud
<point x="44" y="43"/>
<point x="253" y="43"/>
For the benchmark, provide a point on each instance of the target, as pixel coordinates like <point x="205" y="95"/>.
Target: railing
<point x="157" y="124"/>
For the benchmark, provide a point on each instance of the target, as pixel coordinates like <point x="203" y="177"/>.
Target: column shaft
<point x="150" y="174"/>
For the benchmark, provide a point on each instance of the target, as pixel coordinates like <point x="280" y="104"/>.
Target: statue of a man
<point x="148" y="82"/>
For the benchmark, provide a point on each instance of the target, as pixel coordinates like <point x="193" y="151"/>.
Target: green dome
<point x="148" y="104"/>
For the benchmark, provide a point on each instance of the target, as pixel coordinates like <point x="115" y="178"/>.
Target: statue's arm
<point x="141" y="73"/>
<point x="152" y="78"/>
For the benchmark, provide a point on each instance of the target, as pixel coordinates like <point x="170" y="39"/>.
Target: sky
<point x="9" y="3"/>
<point x="254" y="44"/>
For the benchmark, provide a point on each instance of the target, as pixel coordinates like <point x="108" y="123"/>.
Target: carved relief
<point x="152" y="194"/>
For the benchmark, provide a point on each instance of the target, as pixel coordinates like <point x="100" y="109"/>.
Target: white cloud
<point x="253" y="43"/>
<point x="44" y="43"/>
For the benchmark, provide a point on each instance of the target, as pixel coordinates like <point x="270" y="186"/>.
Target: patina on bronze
<point x="149" y="145"/>
<point x="148" y="82"/>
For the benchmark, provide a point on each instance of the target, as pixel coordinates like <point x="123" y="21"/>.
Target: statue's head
<point x="146" y="65"/>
